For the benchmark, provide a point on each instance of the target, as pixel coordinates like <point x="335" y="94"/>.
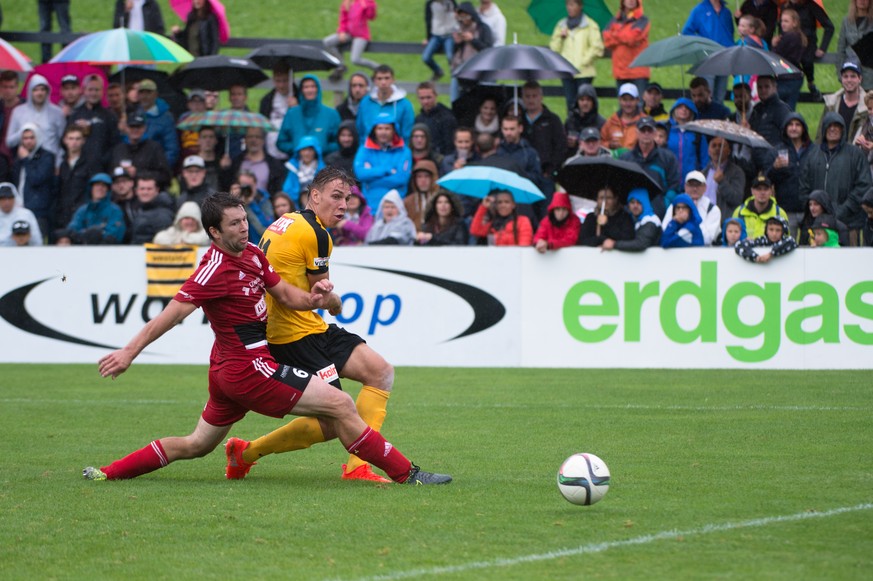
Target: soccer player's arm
<point x="332" y="301"/>
<point x="118" y="361"/>
<point x="299" y="300"/>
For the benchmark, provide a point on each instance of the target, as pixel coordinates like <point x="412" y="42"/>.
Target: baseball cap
<point x="120" y="173"/>
<point x="100" y="178"/>
<point x="20" y="227"/>
<point x="655" y="87"/>
<point x="825" y="221"/>
<point x="197" y="94"/>
<point x="629" y="89"/>
<point x="695" y="176"/>
<point x="850" y="66"/>
<point x="761" y="181"/>
<point x="69" y="79"/>
<point x="193" y="161"/>
<point x="147" y="85"/>
<point x="136" y="120"/>
<point x="646" y="122"/>
<point x="589" y="134"/>
<point x="7" y="191"/>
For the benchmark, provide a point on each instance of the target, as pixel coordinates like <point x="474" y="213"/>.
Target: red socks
<point x="371" y="447"/>
<point x="138" y="463"/>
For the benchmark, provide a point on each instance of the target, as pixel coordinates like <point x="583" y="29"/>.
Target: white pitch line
<point x="605" y="546"/>
<point x="726" y="408"/>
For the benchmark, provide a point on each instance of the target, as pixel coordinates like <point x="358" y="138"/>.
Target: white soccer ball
<point x="583" y="479"/>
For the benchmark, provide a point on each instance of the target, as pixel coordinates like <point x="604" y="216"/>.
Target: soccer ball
<point x="583" y="479"/>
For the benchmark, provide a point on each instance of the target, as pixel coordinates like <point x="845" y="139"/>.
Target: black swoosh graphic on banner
<point x="487" y="310"/>
<point x="13" y="311"/>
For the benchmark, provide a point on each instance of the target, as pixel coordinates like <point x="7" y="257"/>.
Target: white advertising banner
<point x="488" y="307"/>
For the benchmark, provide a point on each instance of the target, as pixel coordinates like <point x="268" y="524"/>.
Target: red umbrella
<point x="12" y="59"/>
<point x="183" y="7"/>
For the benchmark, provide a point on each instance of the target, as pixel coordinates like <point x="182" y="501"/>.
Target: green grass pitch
<point x="719" y="474"/>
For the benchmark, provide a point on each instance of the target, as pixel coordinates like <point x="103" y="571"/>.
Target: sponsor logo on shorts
<point x="328" y="374"/>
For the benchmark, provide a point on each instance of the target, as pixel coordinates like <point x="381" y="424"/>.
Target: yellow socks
<point x="296" y="435"/>
<point x="371" y="404"/>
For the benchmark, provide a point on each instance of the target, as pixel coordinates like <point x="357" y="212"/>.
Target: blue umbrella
<point x="478" y="181"/>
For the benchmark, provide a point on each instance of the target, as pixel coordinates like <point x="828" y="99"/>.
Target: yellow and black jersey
<point x="297" y="245"/>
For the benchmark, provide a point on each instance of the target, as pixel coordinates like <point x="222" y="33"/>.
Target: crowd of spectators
<point x="84" y="173"/>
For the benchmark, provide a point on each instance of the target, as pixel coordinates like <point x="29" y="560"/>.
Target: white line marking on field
<point x="725" y="408"/>
<point x="605" y="546"/>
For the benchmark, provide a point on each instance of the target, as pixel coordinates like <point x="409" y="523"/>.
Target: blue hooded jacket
<point x="724" y="226"/>
<point x="292" y="178"/>
<point x="690" y="149"/>
<point x="683" y="235"/>
<point x="310" y="117"/>
<point x="381" y="169"/>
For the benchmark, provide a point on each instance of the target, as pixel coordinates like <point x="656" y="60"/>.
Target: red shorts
<point x="261" y="385"/>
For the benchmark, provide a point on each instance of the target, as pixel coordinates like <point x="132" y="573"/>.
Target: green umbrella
<point x="547" y="13"/>
<point x="677" y="50"/>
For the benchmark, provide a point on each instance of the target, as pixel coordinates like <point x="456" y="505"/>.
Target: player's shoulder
<point x="295" y="225"/>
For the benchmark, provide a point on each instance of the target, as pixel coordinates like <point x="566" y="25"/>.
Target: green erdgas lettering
<point x="768" y="328"/>
<point x="573" y="311"/>
<point x="855" y="305"/>
<point x="706" y="297"/>
<point x="828" y="311"/>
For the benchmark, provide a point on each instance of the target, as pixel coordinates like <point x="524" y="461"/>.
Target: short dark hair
<point x="464" y="129"/>
<point x="510" y="117"/>
<point x="427" y="85"/>
<point x="212" y="210"/>
<point x="383" y="69"/>
<point x="72" y="128"/>
<point x="8" y="76"/>
<point x="532" y="85"/>
<point x="700" y="82"/>
<point x="148" y="177"/>
<point x="329" y="174"/>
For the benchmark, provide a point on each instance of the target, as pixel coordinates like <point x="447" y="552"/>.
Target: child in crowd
<point x="733" y="231"/>
<point x="823" y="233"/>
<point x="684" y="229"/>
<point x="777" y="237"/>
<point x="560" y="228"/>
<point x="302" y="167"/>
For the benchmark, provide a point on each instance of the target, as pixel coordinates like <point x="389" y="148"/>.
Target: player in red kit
<point x="229" y="284"/>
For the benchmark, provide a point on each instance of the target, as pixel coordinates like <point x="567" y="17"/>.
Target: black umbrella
<point x="585" y="176"/>
<point x="864" y="49"/>
<point x="518" y="62"/>
<point x="217" y="73"/>
<point x="466" y="107"/>
<point x="295" y="57"/>
<point x="744" y="60"/>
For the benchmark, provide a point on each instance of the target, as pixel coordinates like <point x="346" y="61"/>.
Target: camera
<point x="246" y="191"/>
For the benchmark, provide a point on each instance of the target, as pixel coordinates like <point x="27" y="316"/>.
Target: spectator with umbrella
<point x="498" y="222"/>
<point x="200" y="36"/>
<point x="577" y="39"/>
<point x="608" y="222"/>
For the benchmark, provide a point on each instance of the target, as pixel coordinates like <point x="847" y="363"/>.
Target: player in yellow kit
<point x="298" y="246"/>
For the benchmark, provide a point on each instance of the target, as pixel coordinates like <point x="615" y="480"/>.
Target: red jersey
<point x="230" y="290"/>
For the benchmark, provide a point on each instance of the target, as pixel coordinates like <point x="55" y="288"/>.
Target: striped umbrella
<point x="12" y="59"/>
<point x="123" y="46"/>
<point x="228" y="118"/>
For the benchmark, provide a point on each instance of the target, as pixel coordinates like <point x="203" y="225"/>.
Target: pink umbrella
<point x="12" y="59"/>
<point x="183" y="7"/>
